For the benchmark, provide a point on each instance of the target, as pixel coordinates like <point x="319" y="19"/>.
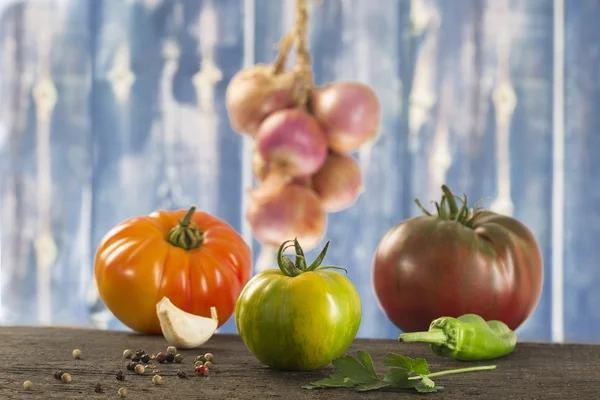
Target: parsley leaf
<point x="403" y="373"/>
<point x="426" y="385"/>
<point x="418" y="365"/>
<point x="350" y="372"/>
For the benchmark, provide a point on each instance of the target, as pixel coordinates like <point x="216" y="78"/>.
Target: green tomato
<point x="296" y="317"/>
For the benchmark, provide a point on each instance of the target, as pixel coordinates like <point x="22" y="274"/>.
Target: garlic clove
<point x="183" y="329"/>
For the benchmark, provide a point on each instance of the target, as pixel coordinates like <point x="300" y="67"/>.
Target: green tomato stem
<point x="291" y="269"/>
<point x="435" y="336"/>
<point x="448" y="210"/>
<point x="186" y="234"/>
<point x="455" y="371"/>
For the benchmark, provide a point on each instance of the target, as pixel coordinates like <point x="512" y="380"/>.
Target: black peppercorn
<point x="120" y="376"/>
<point x="135" y="358"/>
<point x="145" y="358"/>
<point x="98" y="388"/>
<point x="181" y="374"/>
<point x="199" y="358"/>
<point x="140" y="352"/>
<point x="170" y="357"/>
<point x="131" y="365"/>
<point x="58" y="374"/>
<point x="161" y="357"/>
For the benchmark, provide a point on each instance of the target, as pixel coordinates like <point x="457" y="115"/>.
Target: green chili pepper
<point x="467" y="338"/>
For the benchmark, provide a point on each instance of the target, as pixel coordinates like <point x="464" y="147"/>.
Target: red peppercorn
<point x="201" y="370"/>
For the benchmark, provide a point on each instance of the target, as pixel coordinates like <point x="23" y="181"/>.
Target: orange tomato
<point x="195" y="259"/>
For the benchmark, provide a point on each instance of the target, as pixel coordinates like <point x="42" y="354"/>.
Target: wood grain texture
<point x="533" y="371"/>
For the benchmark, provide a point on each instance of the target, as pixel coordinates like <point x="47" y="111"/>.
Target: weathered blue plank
<point x="45" y="152"/>
<point x="161" y="135"/>
<point x="582" y="169"/>
<point x="130" y="132"/>
<point x="464" y="135"/>
<point x="355" y="40"/>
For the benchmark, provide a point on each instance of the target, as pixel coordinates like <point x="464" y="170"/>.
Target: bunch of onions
<point x="303" y="139"/>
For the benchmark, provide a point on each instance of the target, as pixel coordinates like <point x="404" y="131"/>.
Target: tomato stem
<point x="448" y="210"/>
<point x="451" y="202"/>
<point x="186" y="234"/>
<point x="289" y="268"/>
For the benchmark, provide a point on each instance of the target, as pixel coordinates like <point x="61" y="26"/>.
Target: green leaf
<point x="365" y="387"/>
<point x="352" y="368"/>
<point x="428" y="382"/>
<point x="332" y="381"/>
<point x="426" y="385"/>
<point x="367" y="362"/>
<point x="418" y="365"/>
<point x="397" y="376"/>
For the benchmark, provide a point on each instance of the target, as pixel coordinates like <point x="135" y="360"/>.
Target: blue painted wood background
<point x="103" y="117"/>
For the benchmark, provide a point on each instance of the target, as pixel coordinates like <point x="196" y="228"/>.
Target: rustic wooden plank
<point x="532" y="371"/>
<point x="582" y="168"/>
<point x="481" y="114"/>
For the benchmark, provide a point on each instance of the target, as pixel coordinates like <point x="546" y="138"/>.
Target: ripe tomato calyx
<point x="186" y="234"/>
<point x="448" y="210"/>
<point x="291" y="269"/>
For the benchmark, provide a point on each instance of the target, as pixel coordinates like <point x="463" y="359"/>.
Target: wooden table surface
<point x="533" y="371"/>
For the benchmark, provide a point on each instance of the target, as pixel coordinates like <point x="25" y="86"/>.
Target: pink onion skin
<point x="349" y="111"/>
<point x="292" y="142"/>
<point x="254" y="93"/>
<point x="338" y="183"/>
<point x="292" y="211"/>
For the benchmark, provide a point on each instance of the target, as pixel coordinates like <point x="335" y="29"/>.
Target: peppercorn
<point x="58" y="374"/>
<point x="135" y="358"/>
<point x="161" y="357"/>
<point x="209" y="357"/>
<point x="157" y="380"/>
<point x="140" y="352"/>
<point x="199" y="358"/>
<point x="77" y="354"/>
<point x="181" y="374"/>
<point x="201" y="370"/>
<point x="66" y="377"/>
<point x="120" y="375"/>
<point x="131" y="365"/>
<point x="171" y="350"/>
<point x="127" y="353"/>
<point x="198" y="364"/>
<point x="122" y="392"/>
<point x="139" y="369"/>
<point x="208" y="364"/>
<point x="145" y="358"/>
<point x="27" y="385"/>
<point x="98" y="388"/>
<point x="178" y="358"/>
<point x="170" y="357"/>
